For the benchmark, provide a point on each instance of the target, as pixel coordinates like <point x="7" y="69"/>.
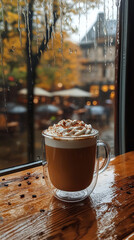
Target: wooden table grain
<point x="29" y="211"/>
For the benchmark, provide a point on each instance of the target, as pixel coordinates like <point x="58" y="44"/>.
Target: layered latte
<point x="70" y="152"/>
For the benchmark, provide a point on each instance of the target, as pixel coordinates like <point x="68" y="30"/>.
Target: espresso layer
<point x="71" y="169"/>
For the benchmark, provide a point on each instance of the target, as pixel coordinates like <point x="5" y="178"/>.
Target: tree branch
<point x="45" y="41"/>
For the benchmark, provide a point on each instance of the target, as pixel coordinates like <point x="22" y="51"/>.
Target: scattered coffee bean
<point x="128" y="192"/>
<point x="3" y="179"/>
<point x="19" y="185"/>
<point x="121" y="188"/>
<point x="41" y="233"/>
<point x="64" y="227"/>
<point x="42" y="210"/>
<point x="34" y="196"/>
<point x="43" y="177"/>
<point x="36" y="177"/>
<point x="131" y="186"/>
<point x="22" y="196"/>
<point x="9" y="203"/>
<point x="25" y="178"/>
<point x="28" y="173"/>
<point x="5" y="184"/>
<point x="29" y="183"/>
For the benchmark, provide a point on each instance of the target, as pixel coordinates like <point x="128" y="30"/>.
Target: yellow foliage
<point x="23" y="68"/>
<point x="62" y="57"/>
<point x="11" y="17"/>
<point x="61" y="61"/>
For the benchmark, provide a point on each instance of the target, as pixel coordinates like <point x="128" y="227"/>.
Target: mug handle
<point x="101" y="143"/>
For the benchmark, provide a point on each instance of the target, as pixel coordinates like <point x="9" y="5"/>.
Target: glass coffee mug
<point x="71" y="165"/>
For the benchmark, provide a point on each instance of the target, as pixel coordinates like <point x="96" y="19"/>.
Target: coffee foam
<point x="69" y="144"/>
<point x="69" y="128"/>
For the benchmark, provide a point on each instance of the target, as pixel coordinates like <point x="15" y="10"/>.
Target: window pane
<point x="46" y="48"/>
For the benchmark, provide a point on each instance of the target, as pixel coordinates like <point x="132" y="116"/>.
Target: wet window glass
<point x="57" y="60"/>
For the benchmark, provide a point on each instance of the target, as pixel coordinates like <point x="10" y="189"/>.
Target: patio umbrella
<point x="37" y="92"/>
<point x="96" y="110"/>
<point x="18" y="109"/>
<point x="7" y="107"/>
<point x="48" y="109"/>
<point x="74" y="92"/>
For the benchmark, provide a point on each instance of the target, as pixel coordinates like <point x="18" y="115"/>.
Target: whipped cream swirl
<point x="69" y="128"/>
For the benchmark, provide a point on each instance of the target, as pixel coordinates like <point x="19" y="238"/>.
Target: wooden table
<point x="28" y="210"/>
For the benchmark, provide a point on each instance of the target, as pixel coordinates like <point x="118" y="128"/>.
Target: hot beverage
<point x="70" y="147"/>
<point x="71" y="168"/>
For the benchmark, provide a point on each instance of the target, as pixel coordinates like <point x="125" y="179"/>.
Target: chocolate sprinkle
<point x="25" y="178"/>
<point x="36" y="177"/>
<point x="128" y="192"/>
<point x="121" y="188"/>
<point x="19" y="185"/>
<point x="5" y="184"/>
<point x="22" y="196"/>
<point x="34" y="196"/>
<point x="28" y="173"/>
<point x="9" y="203"/>
<point x="42" y="210"/>
<point x="43" y="177"/>
<point x="3" y="179"/>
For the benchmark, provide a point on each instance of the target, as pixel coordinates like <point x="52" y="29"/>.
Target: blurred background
<point x="57" y="61"/>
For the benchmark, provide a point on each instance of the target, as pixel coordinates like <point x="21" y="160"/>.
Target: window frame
<point x="124" y="84"/>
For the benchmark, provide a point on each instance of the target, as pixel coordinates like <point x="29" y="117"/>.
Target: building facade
<point x="98" y="61"/>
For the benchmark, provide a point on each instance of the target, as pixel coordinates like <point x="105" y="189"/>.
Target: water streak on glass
<point x="117" y="35"/>
<point x="19" y="20"/>
<point x="28" y="32"/>
<point x="2" y="12"/>
<point x="105" y="33"/>
<point x="4" y="81"/>
<point x="37" y="33"/>
<point x="86" y="12"/>
<point x="79" y="20"/>
<point x="61" y="28"/>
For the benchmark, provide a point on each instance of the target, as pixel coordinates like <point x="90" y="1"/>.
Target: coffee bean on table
<point x="28" y="182"/>
<point x="42" y="210"/>
<point x="34" y="196"/>
<point x="22" y="195"/>
<point x="5" y="184"/>
<point x="25" y="178"/>
<point x="128" y="192"/>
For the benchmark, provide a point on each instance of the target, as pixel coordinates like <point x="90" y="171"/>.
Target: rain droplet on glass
<point x="70" y="50"/>
<point x="59" y="50"/>
<point x="90" y="68"/>
<point x="105" y="31"/>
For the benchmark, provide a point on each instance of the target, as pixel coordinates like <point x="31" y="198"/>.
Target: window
<point x="47" y="47"/>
